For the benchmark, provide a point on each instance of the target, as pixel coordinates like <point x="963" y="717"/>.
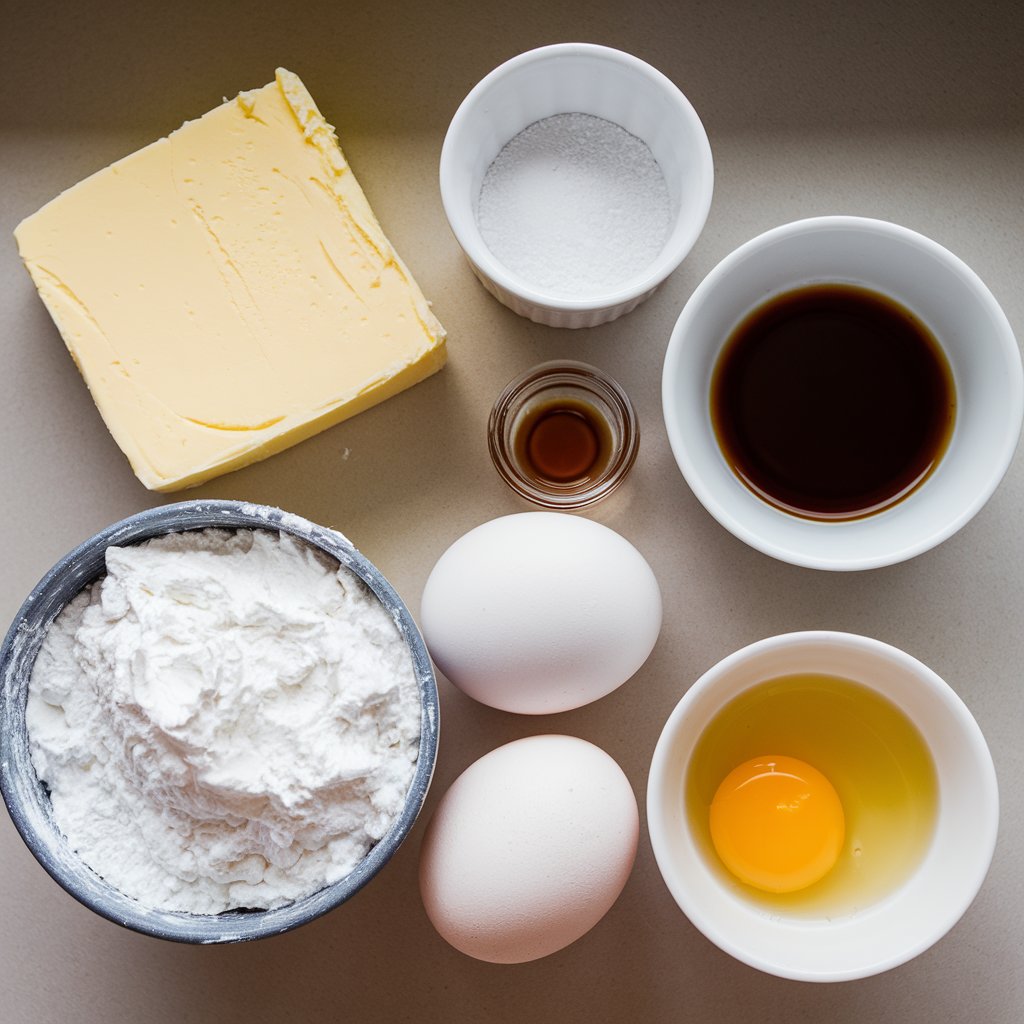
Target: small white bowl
<point x="576" y="78"/>
<point x="906" y="921"/>
<point x="932" y="283"/>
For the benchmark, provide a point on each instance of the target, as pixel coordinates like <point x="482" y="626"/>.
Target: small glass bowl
<point x="573" y="382"/>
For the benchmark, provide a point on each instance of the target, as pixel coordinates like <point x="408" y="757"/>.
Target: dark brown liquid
<point x="832" y="402"/>
<point x="563" y="441"/>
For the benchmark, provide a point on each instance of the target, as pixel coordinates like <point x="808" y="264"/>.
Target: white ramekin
<point x="576" y="78"/>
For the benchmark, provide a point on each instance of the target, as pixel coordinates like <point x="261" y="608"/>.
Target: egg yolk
<point x="777" y="823"/>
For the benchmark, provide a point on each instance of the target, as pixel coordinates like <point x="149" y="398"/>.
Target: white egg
<point x="540" y="612"/>
<point x="528" y="849"/>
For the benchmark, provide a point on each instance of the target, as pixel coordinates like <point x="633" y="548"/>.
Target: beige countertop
<point x="912" y="113"/>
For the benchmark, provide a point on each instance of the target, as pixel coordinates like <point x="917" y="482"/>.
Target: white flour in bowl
<point x="226" y="719"/>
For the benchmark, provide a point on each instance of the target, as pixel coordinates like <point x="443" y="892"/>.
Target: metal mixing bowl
<point x="26" y="797"/>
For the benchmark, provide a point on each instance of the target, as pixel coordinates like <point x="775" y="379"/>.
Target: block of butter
<point x="227" y="291"/>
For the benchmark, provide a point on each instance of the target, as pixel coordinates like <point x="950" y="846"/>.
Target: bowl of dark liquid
<point x="563" y="435"/>
<point x="842" y="393"/>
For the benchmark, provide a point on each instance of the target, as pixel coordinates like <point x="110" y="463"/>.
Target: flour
<point x="574" y="205"/>
<point x="226" y="719"/>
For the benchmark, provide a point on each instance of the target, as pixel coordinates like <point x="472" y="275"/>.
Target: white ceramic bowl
<point x="925" y="278"/>
<point x="576" y="78"/>
<point x="906" y="921"/>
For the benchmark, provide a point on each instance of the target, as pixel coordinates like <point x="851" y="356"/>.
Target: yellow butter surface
<point x="227" y="291"/>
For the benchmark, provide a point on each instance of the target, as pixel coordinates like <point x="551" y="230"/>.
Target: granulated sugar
<point x="574" y="205"/>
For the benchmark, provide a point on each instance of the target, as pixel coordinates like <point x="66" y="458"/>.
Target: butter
<point x="227" y="291"/>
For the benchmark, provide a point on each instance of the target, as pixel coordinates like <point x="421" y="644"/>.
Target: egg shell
<point x="540" y="612"/>
<point x="528" y="849"/>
